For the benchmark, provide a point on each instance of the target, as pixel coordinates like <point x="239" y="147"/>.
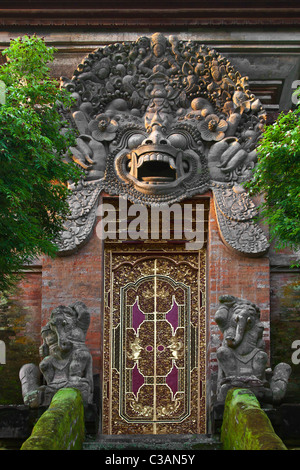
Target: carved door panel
<point x="154" y="342"/>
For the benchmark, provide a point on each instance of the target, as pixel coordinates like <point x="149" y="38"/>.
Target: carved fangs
<point x="157" y="157"/>
<point x="153" y="166"/>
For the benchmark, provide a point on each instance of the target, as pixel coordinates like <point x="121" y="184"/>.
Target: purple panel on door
<point x="172" y="316"/>
<point x="172" y="379"/>
<point x="137" y="316"/>
<point x="137" y="380"/>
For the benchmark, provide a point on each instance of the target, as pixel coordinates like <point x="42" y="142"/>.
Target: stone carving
<point x="235" y="213"/>
<point x="242" y="359"/>
<point x="66" y="361"/>
<point x="78" y="226"/>
<point x="160" y="120"/>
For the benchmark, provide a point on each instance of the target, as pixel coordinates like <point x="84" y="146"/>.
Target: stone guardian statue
<point x="242" y="359"/>
<point x="66" y="361"/>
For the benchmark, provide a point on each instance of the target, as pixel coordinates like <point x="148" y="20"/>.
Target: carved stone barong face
<point x="164" y="117"/>
<point x="166" y="157"/>
<point x="160" y="120"/>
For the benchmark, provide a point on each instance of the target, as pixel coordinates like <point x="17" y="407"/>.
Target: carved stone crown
<point x="160" y="120"/>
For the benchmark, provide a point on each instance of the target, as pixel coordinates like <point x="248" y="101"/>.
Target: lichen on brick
<point x="19" y="344"/>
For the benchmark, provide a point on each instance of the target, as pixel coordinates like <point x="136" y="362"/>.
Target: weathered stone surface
<point x="242" y="359"/>
<point x="14" y="422"/>
<point x="245" y="425"/>
<point x="61" y="427"/>
<point x="66" y="362"/>
<point x="160" y="120"/>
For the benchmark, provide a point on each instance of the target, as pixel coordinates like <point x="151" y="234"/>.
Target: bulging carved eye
<point x="178" y="141"/>
<point x="135" y="140"/>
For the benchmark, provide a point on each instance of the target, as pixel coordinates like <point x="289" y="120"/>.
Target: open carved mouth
<point x="156" y="168"/>
<point x="156" y="164"/>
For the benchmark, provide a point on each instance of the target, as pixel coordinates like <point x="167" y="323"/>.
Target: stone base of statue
<point x="261" y="389"/>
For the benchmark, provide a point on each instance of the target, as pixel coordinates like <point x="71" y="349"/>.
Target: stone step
<point x="154" y="442"/>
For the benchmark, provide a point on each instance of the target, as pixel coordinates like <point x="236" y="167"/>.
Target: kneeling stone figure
<point x="66" y="361"/>
<point x="242" y="360"/>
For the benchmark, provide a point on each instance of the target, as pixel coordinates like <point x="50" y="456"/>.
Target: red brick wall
<point x="230" y="273"/>
<point x="20" y="327"/>
<point x="29" y="296"/>
<point x="77" y="277"/>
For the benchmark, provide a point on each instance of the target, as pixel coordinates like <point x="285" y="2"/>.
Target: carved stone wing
<point x="235" y="213"/>
<point x="79" y="225"/>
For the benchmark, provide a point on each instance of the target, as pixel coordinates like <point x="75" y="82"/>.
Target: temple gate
<point x="160" y="122"/>
<point x="164" y="124"/>
<point x="154" y="339"/>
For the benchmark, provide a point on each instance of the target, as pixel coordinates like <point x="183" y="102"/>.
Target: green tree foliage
<point x="277" y="177"/>
<point x="33" y="173"/>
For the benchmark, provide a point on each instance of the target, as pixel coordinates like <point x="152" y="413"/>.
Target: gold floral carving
<point x="176" y="347"/>
<point x="135" y="349"/>
<point x="142" y="410"/>
<point x="169" y="409"/>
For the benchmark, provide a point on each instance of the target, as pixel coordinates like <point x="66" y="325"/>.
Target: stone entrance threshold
<point x="172" y="442"/>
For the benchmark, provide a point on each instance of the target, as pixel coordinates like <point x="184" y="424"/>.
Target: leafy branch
<point x="34" y="175"/>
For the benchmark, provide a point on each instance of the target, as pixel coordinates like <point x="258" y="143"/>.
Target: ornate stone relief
<point x="235" y="212"/>
<point x="160" y="120"/>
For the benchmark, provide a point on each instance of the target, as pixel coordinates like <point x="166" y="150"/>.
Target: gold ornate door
<point x="154" y="341"/>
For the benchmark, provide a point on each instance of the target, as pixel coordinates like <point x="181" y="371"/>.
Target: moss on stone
<point x="61" y="427"/>
<point x="245" y="425"/>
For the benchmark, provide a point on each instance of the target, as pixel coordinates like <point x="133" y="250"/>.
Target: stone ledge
<point x="17" y="421"/>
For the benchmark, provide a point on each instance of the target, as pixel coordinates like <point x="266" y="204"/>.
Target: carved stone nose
<point x="156" y="137"/>
<point x="157" y="120"/>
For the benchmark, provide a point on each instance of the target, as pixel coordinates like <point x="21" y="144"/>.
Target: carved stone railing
<point x="246" y="426"/>
<point x="61" y="427"/>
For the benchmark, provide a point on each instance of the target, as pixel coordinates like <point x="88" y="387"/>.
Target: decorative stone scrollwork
<point x="79" y="225"/>
<point x="160" y="120"/>
<point x="235" y="212"/>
